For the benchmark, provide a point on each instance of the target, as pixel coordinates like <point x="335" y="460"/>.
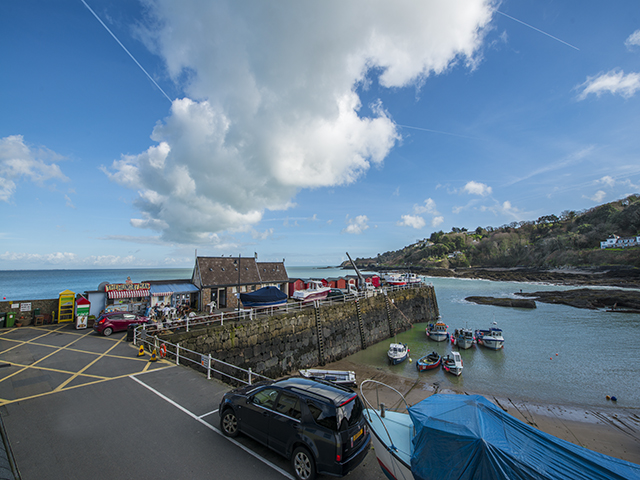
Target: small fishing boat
<point x="463" y="338"/>
<point x="491" y="338"/>
<point x="341" y="377"/>
<point x="468" y="437"/>
<point x="395" y="279"/>
<point x="452" y="363"/>
<point x="428" y="362"/>
<point x="264" y="297"/>
<point x="411" y="278"/>
<point x="437" y="331"/>
<point x="314" y="291"/>
<point x="398" y="353"/>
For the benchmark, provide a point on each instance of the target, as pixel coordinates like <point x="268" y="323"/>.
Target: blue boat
<point x="398" y="353"/>
<point x="264" y="297"/>
<point x="467" y="437"/>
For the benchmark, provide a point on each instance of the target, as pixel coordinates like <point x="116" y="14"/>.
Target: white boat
<point x="412" y="278"/>
<point x="314" y="291"/>
<point x="463" y="338"/>
<point x="341" y="377"/>
<point x="452" y="363"/>
<point x="395" y="279"/>
<point x="468" y="437"/>
<point x="437" y="331"/>
<point x="491" y="338"/>
<point x="398" y="353"/>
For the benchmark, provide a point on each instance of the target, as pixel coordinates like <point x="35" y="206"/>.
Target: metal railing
<point x="147" y="335"/>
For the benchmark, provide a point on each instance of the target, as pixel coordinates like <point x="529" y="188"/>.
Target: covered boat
<point x="466" y="437"/>
<point x="428" y="362"/>
<point x="264" y="297"/>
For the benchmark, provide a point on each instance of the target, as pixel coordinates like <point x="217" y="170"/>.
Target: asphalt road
<point x="155" y="420"/>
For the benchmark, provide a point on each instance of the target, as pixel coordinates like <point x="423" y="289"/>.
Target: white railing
<point x="147" y="335"/>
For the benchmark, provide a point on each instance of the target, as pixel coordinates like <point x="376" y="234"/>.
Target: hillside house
<point x="614" y="241"/>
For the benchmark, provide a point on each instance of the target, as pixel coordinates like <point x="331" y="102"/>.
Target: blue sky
<point x="303" y="130"/>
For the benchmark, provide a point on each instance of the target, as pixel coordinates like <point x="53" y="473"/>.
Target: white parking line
<point x="211" y="427"/>
<point x="207" y="414"/>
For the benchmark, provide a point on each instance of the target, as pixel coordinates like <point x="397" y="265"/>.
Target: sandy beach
<point x="613" y="431"/>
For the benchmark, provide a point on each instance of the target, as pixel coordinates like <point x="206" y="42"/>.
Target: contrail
<point x="125" y="49"/>
<point x="537" y="29"/>
<point x="435" y="131"/>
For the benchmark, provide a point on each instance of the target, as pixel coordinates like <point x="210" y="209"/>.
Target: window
<point x="266" y="398"/>
<point x="289" y="405"/>
<point x="324" y="415"/>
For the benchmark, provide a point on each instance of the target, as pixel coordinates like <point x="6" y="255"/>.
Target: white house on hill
<point x="614" y="241"/>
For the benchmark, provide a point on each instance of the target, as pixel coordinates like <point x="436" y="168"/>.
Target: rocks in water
<point x="591" y="298"/>
<point x="503" y="302"/>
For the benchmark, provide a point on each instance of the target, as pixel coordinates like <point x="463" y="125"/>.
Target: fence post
<point x="177" y="354"/>
<point x="249" y="375"/>
<point x="187" y="324"/>
<point x="221" y="318"/>
<point x="135" y="337"/>
<point x="209" y="368"/>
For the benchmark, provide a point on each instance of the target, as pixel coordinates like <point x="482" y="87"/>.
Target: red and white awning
<point x="128" y="293"/>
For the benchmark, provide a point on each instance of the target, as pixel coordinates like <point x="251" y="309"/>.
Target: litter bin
<point x="11" y="319"/>
<point x="130" y="331"/>
<point x="3" y="319"/>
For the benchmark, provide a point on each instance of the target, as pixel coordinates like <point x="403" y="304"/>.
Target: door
<point x="285" y="422"/>
<point x="256" y="413"/>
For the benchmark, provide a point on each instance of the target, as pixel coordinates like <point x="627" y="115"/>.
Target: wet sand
<point x="614" y="431"/>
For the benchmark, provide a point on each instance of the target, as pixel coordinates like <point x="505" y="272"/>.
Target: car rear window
<point x="323" y="414"/>
<point x="350" y="413"/>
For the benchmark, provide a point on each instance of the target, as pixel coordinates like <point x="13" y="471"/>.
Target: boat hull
<point x="437" y="336"/>
<point x="463" y="342"/>
<point x="303" y="296"/>
<point x="392" y="466"/>
<point x="491" y="343"/>
<point x="397" y="360"/>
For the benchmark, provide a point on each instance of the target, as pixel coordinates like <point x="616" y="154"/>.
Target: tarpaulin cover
<point x="468" y="437"/>
<point x="263" y="296"/>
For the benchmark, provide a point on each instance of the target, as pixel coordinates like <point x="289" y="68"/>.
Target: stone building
<point x="220" y="279"/>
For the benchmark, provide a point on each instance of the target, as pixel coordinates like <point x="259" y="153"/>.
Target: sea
<point x="554" y="354"/>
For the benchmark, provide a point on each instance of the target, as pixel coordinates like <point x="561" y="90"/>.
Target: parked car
<point x="111" y="322"/>
<point x="319" y="426"/>
<point x="336" y="294"/>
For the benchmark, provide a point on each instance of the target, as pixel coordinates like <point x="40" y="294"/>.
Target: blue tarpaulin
<point x="264" y="296"/>
<point x="468" y="437"/>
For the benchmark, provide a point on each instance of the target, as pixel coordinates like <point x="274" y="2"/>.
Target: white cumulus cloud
<point x="608" y="180"/>
<point x="20" y="161"/>
<point x="272" y="103"/>
<point x="597" y="197"/>
<point x="633" y="40"/>
<point x="437" y="221"/>
<point x="614" y="82"/>
<point x="476" y="188"/>
<point x="356" y="225"/>
<point x="415" y="221"/>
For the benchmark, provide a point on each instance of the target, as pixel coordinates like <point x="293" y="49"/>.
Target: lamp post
<point x="238" y="299"/>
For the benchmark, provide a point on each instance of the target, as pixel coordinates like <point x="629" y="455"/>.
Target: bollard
<point x="249" y="375"/>
<point x="209" y="368"/>
<point x="177" y="354"/>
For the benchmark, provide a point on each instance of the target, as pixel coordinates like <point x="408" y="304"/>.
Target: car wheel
<point x="229" y="423"/>
<point x="304" y="466"/>
<point x="107" y="331"/>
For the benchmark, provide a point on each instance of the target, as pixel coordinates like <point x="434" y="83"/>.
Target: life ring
<point x="163" y="350"/>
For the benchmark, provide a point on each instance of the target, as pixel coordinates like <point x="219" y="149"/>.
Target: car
<point x="335" y="293"/>
<point x="318" y="426"/>
<point x="111" y="322"/>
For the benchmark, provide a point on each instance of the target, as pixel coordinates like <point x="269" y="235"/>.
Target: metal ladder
<point x="320" y="336"/>
<point x="361" y="325"/>
<point x="392" y="331"/>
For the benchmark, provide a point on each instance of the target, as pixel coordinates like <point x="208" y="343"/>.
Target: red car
<point x="117" y="322"/>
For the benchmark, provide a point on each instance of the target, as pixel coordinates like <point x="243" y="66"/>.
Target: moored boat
<point x="398" y="353"/>
<point x="463" y="338"/>
<point x="437" y="331"/>
<point x="314" y="291"/>
<point x="411" y="278"/>
<point x="264" y="297"/>
<point x="452" y="363"/>
<point x="491" y="338"/>
<point x="395" y="279"/>
<point x="341" y="377"/>
<point x="428" y="362"/>
<point x="468" y="437"/>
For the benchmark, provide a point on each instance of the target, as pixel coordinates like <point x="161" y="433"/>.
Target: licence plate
<point x="357" y="435"/>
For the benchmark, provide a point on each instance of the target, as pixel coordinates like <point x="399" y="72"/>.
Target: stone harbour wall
<point x="281" y="344"/>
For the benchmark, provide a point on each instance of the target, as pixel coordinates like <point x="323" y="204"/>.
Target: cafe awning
<point x="171" y="288"/>
<point x="127" y="293"/>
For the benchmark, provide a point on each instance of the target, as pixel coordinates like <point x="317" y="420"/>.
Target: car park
<point x="319" y="426"/>
<point x="111" y="322"/>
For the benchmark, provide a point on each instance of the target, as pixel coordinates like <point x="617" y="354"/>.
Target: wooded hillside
<point x="572" y="239"/>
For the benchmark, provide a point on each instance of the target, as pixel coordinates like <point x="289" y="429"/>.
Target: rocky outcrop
<point x="590" y="298"/>
<point x="503" y="302"/>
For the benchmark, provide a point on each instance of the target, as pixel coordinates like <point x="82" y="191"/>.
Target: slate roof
<point x="223" y="271"/>
<point x="272" y="272"/>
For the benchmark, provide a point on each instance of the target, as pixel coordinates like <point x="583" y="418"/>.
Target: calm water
<point x="596" y="353"/>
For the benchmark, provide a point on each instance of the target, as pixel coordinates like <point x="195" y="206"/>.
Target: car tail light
<point x="102" y="321"/>
<point x="338" y="458"/>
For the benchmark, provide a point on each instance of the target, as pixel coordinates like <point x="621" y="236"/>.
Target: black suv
<point x="316" y="424"/>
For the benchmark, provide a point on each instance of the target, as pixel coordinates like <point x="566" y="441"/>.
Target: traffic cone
<point x="154" y="357"/>
<point x="141" y="352"/>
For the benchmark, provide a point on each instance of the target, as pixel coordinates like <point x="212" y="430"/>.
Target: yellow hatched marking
<point x="57" y="370"/>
